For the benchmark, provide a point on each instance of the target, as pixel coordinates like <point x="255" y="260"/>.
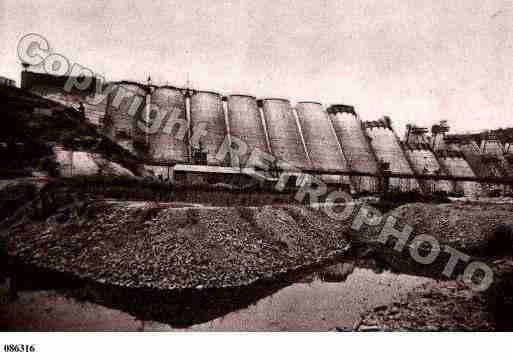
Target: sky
<point x="417" y="61"/>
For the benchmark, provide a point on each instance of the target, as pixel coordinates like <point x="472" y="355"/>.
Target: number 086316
<point x="19" y="348"/>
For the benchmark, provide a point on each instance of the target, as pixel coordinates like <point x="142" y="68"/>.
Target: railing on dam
<point x="503" y="180"/>
<point x="382" y="179"/>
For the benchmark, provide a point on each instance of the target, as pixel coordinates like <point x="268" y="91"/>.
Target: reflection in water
<point x="317" y="304"/>
<point x="322" y="300"/>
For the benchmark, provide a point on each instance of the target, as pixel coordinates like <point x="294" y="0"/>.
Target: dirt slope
<point x="33" y="126"/>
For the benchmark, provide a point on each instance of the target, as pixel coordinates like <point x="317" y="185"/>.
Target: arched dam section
<point x="388" y="150"/>
<point x="423" y="160"/>
<point x="168" y="140"/>
<point x="494" y="153"/>
<point x="320" y="140"/>
<point x="246" y="124"/>
<point x="456" y="164"/>
<point x="453" y="160"/>
<point x="284" y="137"/>
<point x="124" y="115"/>
<point x="482" y="164"/>
<point x="355" y="146"/>
<point x="207" y="113"/>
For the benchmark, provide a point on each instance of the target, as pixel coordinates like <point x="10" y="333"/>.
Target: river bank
<point x="434" y="306"/>
<point x="186" y="265"/>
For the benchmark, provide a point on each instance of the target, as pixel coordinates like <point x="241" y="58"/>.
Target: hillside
<point x="37" y="133"/>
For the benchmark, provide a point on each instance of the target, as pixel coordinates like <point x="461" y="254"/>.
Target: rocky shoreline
<point x="175" y="254"/>
<point x="443" y="306"/>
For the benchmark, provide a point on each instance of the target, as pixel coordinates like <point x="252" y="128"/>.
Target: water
<point x="333" y="297"/>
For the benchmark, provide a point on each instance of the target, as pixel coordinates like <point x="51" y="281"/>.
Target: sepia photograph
<point x="334" y="167"/>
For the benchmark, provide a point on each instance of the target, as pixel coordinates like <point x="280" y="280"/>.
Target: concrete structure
<point x="355" y="146"/>
<point x="489" y="161"/>
<point x="168" y="138"/>
<point x="492" y="146"/>
<point x="423" y="159"/>
<point x="246" y="124"/>
<point x="207" y="113"/>
<point x="159" y="124"/>
<point x="452" y="158"/>
<point x="388" y="150"/>
<point x="458" y="166"/>
<point x="321" y="142"/>
<point x="125" y="116"/>
<point x="284" y="137"/>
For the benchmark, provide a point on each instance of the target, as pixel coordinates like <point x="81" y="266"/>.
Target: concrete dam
<point x="166" y="126"/>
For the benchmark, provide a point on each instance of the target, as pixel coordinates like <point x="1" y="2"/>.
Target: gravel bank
<point x="466" y="227"/>
<point x="150" y="245"/>
<point x="442" y="306"/>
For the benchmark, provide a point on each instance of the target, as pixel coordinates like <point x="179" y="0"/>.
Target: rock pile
<point x="469" y="228"/>
<point x="144" y="244"/>
<point x="442" y="306"/>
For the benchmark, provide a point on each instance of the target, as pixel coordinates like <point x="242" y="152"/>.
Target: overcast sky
<point x="417" y="61"/>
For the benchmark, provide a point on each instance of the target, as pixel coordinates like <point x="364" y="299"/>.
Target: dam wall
<point x="485" y="161"/>
<point x="207" y="113"/>
<point x="159" y="125"/>
<point x="492" y="147"/>
<point x="388" y="150"/>
<point x="452" y="158"/>
<point x="246" y="124"/>
<point x="283" y="132"/>
<point x="458" y="166"/>
<point x="124" y="117"/>
<point x="355" y="147"/>
<point x="168" y="137"/>
<point x="321" y="141"/>
<point x="482" y="165"/>
<point x="424" y="161"/>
